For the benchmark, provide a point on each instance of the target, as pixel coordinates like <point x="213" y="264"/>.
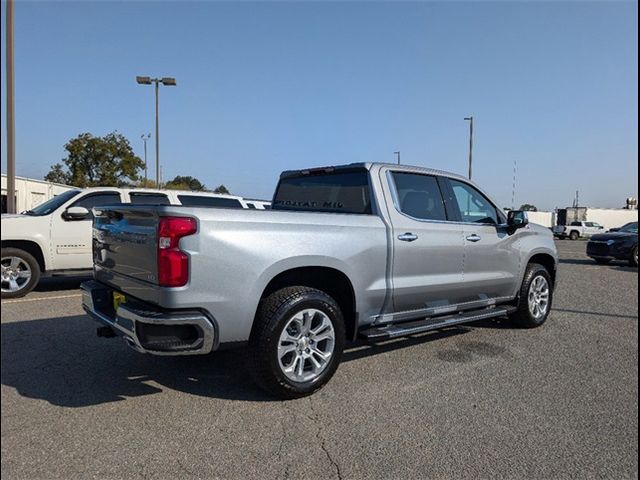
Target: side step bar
<point x="387" y="332"/>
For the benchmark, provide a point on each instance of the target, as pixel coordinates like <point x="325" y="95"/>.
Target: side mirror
<point x="517" y="219"/>
<point x="614" y="229"/>
<point x="76" y="213"/>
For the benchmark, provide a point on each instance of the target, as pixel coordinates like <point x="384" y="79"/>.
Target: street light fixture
<point x="470" y="120"/>
<point x="167" y="82"/>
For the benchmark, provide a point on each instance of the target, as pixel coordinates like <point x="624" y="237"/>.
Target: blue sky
<point x="264" y="87"/>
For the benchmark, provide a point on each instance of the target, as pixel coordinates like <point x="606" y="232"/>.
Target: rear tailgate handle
<point x="474" y="238"/>
<point x="408" y="237"/>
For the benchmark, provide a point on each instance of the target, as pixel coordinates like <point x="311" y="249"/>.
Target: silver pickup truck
<point x="371" y="251"/>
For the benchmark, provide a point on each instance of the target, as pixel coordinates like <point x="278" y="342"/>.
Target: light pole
<point x="167" y="82"/>
<point x="470" y="120"/>
<point x="398" y="155"/>
<point x="144" y="140"/>
<point x="11" y="135"/>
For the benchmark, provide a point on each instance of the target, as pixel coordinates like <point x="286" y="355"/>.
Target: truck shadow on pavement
<point x="61" y="361"/>
<point x="55" y="284"/>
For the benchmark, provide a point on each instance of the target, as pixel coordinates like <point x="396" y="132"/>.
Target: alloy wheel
<point x="539" y="297"/>
<point x="306" y="345"/>
<point x="16" y="274"/>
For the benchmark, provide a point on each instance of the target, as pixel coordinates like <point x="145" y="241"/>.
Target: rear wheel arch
<point x="31" y="248"/>
<point x="329" y="280"/>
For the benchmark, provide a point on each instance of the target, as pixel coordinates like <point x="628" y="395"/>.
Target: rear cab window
<point x="325" y="190"/>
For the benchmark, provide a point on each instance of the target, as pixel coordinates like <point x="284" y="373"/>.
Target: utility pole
<point x="397" y="155"/>
<point x="144" y="140"/>
<point x="158" y="173"/>
<point x="11" y="134"/>
<point x="513" y="192"/>
<point x="470" y="120"/>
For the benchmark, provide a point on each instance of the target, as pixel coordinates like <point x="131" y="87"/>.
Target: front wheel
<point x="574" y="235"/>
<point x="296" y="342"/>
<point x="633" y="259"/>
<point x="20" y="272"/>
<point x="536" y="296"/>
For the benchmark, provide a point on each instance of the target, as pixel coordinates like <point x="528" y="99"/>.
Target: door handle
<point x="474" y="238"/>
<point x="408" y="237"/>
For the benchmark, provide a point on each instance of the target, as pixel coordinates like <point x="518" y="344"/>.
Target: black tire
<point x="574" y="235"/>
<point x="603" y="261"/>
<point x="274" y="312"/>
<point x="633" y="259"/>
<point x="523" y="316"/>
<point x="32" y="263"/>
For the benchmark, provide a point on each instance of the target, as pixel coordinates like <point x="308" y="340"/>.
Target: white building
<point x="31" y="192"/>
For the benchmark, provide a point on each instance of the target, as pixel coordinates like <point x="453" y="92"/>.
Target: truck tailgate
<point x="125" y="241"/>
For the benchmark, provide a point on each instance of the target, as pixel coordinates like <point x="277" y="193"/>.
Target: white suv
<point x="55" y="237"/>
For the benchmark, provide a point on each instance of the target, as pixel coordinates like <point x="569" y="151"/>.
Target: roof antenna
<point x="398" y="155"/>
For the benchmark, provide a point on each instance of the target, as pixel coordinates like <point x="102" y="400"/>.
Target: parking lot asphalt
<point x="482" y="401"/>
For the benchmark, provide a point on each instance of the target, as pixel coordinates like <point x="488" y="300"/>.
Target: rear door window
<point x="419" y="196"/>
<point x="140" y="198"/>
<point x="204" y="201"/>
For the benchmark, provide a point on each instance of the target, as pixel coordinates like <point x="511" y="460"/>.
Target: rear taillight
<point x="173" y="263"/>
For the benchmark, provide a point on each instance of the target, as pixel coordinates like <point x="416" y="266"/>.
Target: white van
<point x="54" y="238"/>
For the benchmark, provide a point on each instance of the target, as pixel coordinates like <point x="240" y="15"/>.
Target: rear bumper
<point x="147" y="329"/>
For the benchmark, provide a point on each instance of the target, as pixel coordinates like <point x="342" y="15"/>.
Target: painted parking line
<point x="25" y="300"/>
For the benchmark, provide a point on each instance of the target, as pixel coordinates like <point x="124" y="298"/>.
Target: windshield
<point x="630" y="228"/>
<point x="52" y="204"/>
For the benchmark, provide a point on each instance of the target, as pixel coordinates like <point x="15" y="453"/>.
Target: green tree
<point x="221" y="189"/>
<point x="186" y="183"/>
<point x="527" y="207"/>
<point x="58" y="175"/>
<point x="97" y="161"/>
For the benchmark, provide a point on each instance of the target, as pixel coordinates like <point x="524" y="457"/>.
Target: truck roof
<point x="369" y="166"/>
<point x="159" y="190"/>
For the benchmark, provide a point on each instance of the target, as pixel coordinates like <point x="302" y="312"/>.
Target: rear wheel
<point x="20" y="272"/>
<point x="633" y="259"/>
<point x="296" y="342"/>
<point x="574" y="235"/>
<point x="536" y="296"/>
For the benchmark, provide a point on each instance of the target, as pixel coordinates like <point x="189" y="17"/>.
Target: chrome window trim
<point x="396" y="201"/>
